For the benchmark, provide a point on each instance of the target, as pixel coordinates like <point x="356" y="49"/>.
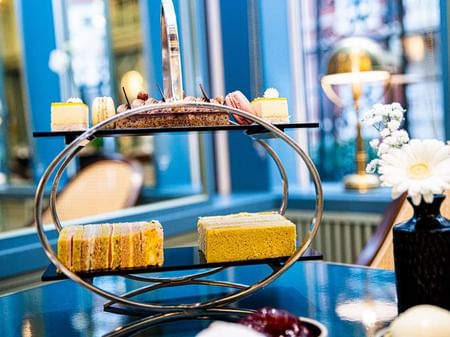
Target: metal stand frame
<point x="159" y="313"/>
<point x="178" y="310"/>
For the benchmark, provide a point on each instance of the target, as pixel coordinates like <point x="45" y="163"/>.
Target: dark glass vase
<point x="422" y="257"/>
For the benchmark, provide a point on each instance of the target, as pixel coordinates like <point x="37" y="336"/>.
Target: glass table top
<point x="349" y="300"/>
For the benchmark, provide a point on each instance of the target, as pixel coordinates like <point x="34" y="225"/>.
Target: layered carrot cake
<point x="246" y="236"/>
<point x="111" y="246"/>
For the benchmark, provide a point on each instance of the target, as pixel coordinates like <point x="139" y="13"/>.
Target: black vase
<point x="422" y="257"/>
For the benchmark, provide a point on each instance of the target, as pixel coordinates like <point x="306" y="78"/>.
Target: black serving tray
<point x="180" y="258"/>
<point x="249" y="129"/>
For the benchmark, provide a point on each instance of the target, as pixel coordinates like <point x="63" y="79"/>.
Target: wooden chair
<point x="103" y="186"/>
<point x="379" y="252"/>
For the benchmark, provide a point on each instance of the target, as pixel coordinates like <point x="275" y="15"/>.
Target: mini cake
<point x="166" y="118"/>
<point x="271" y="107"/>
<point x="111" y="246"/>
<point x="103" y="108"/>
<point x="69" y="116"/>
<point x="246" y="236"/>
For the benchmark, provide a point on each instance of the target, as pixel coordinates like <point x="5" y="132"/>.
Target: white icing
<point x="271" y="93"/>
<point x="74" y="100"/>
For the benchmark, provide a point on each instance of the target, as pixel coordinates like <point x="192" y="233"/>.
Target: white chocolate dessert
<point x="421" y="321"/>
<point x="103" y="108"/>
<point x="271" y="107"/>
<point x="72" y="115"/>
<point x="246" y="236"/>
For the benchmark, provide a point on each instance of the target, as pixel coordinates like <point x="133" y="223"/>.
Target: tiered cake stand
<point x="127" y="303"/>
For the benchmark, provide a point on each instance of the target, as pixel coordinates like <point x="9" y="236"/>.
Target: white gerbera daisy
<point x="421" y="167"/>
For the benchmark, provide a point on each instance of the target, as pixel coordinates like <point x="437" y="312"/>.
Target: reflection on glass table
<point x="310" y="289"/>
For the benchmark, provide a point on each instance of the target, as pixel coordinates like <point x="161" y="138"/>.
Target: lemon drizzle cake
<point x="246" y="236"/>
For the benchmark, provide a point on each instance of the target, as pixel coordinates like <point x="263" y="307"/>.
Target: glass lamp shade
<point x="354" y="60"/>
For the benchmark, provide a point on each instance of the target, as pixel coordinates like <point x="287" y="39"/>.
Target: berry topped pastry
<point x="276" y="323"/>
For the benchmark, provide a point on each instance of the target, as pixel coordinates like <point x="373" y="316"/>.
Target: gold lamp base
<point x="361" y="182"/>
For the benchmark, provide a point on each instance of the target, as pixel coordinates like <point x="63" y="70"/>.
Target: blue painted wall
<point x="277" y="73"/>
<point x="248" y="166"/>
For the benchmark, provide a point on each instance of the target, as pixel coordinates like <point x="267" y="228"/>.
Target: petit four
<point x="276" y="323"/>
<point x="166" y="118"/>
<point x="271" y="107"/>
<point x="103" y="108"/>
<point x="237" y="100"/>
<point x="246" y="236"/>
<point x="69" y="116"/>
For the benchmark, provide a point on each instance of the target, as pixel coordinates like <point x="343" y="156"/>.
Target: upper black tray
<point x="250" y="129"/>
<point x="180" y="258"/>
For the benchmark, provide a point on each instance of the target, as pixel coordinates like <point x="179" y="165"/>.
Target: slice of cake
<point x="69" y="116"/>
<point x="126" y="259"/>
<point x="271" y="107"/>
<point x="246" y="236"/>
<point x="100" y="259"/>
<point x="77" y="246"/>
<point x="152" y="243"/>
<point x="65" y="245"/>
<point x="87" y="247"/>
<point x="116" y="250"/>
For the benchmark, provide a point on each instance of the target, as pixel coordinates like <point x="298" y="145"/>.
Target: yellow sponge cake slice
<point x="246" y="236"/>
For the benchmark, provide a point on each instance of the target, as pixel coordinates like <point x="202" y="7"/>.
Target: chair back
<point x="103" y="186"/>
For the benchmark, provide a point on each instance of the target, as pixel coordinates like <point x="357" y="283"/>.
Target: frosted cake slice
<point x="70" y="115"/>
<point x="271" y="107"/>
<point x="246" y="236"/>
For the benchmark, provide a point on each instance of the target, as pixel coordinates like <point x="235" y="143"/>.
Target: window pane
<point x="15" y="165"/>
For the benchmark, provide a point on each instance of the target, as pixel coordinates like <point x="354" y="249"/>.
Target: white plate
<point x="312" y="322"/>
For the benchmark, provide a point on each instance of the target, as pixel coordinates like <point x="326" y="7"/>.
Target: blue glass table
<point x="349" y="300"/>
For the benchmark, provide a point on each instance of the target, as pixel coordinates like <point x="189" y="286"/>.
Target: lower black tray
<point x="181" y="258"/>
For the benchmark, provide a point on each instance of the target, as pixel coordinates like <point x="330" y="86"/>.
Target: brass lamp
<point x="356" y="61"/>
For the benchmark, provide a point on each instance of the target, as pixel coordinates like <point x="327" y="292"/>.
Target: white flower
<point x="385" y="132"/>
<point x="271" y="93"/>
<point x="226" y="329"/>
<point x="421" y="167"/>
<point x="390" y="140"/>
<point x="59" y="61"/>
<point x="393" y="125"/>
<point x="383" y="148"/>
<point x="374" y="143"/>
<point x="402" y="136"/>
<point x="372" y="166"/>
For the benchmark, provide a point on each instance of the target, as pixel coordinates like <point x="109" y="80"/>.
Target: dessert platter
<point x="135" y="250"/>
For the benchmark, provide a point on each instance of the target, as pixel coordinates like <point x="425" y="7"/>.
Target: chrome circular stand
<point x="166" y="311"/>
<point x="160" y="312"/>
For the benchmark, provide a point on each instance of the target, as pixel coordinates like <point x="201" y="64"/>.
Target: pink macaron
<point x="237" y="100"/>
